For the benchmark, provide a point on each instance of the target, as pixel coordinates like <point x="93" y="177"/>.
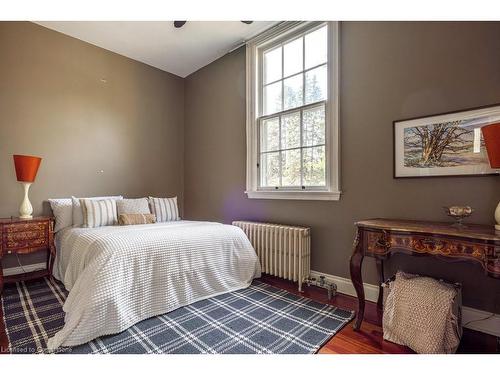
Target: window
<point x="292" y="111"/>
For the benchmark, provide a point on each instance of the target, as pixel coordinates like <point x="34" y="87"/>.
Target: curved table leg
<point x="356" y="278"/>
<point x="380" y="270"/>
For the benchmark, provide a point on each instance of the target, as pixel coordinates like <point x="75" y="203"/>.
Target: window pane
<point x="270" y="169"/>
<point x="272" y="98"/>
<point x="316" y="84"/>
<point x="290" y="130"/>
<point x="316" y="47"/>
<point x="270" y="134"/>
<point x="314" y="126"/>
<point x="290" y="168"/>
<point x="272" y="65"/>
<point x="293" y="92"/>
<point x="293" y="57"/>
<point x="314" y="166"/>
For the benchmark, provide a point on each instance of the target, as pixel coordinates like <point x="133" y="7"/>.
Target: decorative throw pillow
<point x="134" y="219"/>
<point x="165" y="209"/>
<point x="63" y="212"/>
<point x="133" y="206"/>
<point x="98" y="213"/>
<point x="78" y="211"/>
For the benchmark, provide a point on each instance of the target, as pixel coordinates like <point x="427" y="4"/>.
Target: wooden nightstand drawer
<point x="18" y="240"/>
<point x="26" y="227"/>
<point x="24" y="236"/>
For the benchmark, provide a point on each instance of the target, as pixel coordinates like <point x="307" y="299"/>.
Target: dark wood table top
<point x="11" y="220"/>
<point x="477" y="231"/>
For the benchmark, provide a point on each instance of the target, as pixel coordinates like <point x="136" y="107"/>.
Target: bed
<point x="119" y="275"/>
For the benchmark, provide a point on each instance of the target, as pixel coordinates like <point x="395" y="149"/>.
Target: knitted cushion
<point x="418" y="313"/>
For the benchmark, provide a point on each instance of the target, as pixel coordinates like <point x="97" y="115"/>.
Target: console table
<point x="379" y="238"/>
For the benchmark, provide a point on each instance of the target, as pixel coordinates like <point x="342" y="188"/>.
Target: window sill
<point x="295" y="195"/>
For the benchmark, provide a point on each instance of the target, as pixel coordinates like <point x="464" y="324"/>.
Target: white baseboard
<point x="490" y="324"/>
<point x="27" y="268"/>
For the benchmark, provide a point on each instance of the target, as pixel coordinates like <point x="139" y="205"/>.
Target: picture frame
<point x="444" y="144"/>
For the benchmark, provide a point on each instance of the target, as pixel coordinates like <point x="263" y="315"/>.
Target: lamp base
<point x="26" y="208"/>
<point x="497" y="227"/>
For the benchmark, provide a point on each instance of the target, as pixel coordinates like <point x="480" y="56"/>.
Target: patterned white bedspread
<point x="118" y="276"/>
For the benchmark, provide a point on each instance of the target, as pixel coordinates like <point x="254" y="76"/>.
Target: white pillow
<point x="63" y="212"/>
<point x="98" y="213"/>
<point x="133" y="206"/>
<point x="165" y="209"/>
<point x="77" y="208"/>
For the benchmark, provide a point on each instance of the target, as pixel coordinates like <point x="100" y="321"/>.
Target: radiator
<point x="283" y="250"/>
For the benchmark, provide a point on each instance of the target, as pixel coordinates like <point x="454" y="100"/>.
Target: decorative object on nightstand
<point x="491" y="135"/>
<point x="26" y="169"/>
<point x="21" y="236"/>
<point x="459" y="213"/>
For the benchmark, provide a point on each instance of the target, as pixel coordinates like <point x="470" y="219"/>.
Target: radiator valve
<point x="330" y="287"/>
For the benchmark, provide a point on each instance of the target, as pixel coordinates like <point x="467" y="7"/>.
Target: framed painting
<point x="446" y="144"/>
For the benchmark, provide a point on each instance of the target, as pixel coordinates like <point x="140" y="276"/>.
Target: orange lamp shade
<point x="491" y="135"/>
<point x="26" y="167"/>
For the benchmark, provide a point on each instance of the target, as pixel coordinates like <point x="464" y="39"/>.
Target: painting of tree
<point x="446" y="144"/>
<point x="441" y="145"/>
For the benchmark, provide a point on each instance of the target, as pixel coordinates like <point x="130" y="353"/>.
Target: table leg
<point x="52" y="256"/>
<point x="380" y="271"/>
<point x="356" y="262"/>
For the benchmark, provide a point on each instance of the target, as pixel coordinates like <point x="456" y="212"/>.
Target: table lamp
<point x="491" y="135"/>
<point x="26" y="169"/>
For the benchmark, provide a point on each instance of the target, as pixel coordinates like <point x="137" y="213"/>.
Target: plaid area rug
<point x="258" y="319"/>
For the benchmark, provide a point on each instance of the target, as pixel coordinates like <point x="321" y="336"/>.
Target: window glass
<point x="316" y="47"/>
<point x="272" y="65"/>
<point x="292" y="126"/>
<point x="293" y="57"/>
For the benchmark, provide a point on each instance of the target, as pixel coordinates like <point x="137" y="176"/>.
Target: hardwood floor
<point x="369" y="340"/>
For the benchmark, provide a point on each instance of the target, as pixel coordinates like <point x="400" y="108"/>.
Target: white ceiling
<point x="178" y="51"/>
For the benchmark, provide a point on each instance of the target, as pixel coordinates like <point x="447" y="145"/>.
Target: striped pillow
<point x="98" y="213"/>
<point x="165" y="209"/>
<point x="78" y="210"/>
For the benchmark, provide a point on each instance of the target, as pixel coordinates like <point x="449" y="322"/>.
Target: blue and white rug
<point x="258" y="319"/>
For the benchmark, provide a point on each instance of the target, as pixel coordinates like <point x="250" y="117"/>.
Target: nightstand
<point x="19" y="236"/>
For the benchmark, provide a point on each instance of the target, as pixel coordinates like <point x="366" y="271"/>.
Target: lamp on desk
<point x="26" y="169"/>
<point x="491" y="135"/>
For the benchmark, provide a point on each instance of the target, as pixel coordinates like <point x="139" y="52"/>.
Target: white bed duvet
<point x="118" y="276"/>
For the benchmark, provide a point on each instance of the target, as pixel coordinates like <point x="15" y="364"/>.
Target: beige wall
<point x="53" y="104"/>
<point x="389" y="71"/>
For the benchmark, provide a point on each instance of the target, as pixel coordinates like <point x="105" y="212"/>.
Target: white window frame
<point x="275" y="36"/>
